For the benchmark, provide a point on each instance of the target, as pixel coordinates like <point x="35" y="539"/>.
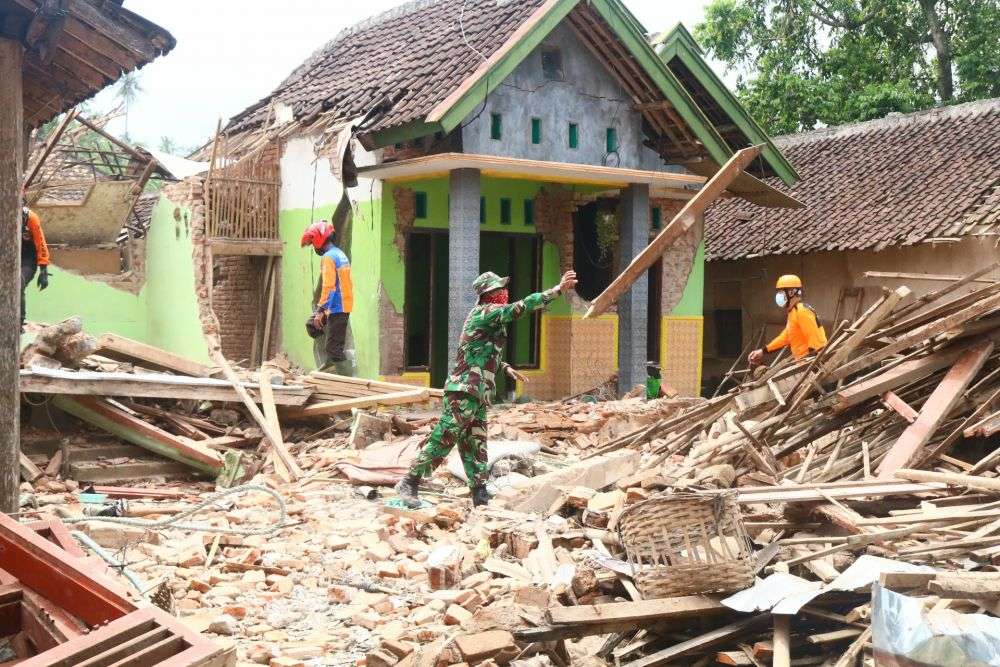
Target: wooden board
<point x="120" y="348"/>
<point x="897" y="376"/>
<point x="323" y="408"/>
<point x="681" y="222"/>
<point x="85" y="383"/>
<point x="637" y="613"/>
<point x="103" y="414"/>
<point x="700" y="643"/>
<point x="934" y="410"/>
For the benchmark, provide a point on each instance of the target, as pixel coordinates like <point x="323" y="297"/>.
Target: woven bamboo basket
<point x="687" y="544"/>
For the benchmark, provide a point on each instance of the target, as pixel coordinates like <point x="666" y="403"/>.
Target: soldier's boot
<point x="480" y="496"/>
<point x="407" y="490"/>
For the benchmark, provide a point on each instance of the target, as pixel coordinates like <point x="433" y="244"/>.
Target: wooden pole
<point x="11" y="161"/>
<point x="680" y="224"/>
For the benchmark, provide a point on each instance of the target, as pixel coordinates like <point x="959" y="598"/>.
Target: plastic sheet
<point x="904" y="633"/>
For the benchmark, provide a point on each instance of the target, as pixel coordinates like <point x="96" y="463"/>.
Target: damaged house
<point x="904" y="200"/>
<point x="123" y="256"/>
<point x="525" y="138"/>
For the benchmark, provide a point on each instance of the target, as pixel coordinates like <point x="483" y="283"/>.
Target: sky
<point x="232" y="53"/>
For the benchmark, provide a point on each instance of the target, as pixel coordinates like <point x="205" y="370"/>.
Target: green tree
<point x="804" y="62"/>
<point x="128" y="90"/>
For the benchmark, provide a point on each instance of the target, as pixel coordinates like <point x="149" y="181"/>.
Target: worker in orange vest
<point x="336" y="300"/>
<point x="802" y="333"/>
<point x="34" y="254"/>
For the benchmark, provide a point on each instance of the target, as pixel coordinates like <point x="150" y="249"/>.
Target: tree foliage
<point x="800" y="63"/>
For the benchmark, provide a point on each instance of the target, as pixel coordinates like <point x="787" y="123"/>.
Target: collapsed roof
<point x="896" y="181"/>
<point x="427" y="65"/>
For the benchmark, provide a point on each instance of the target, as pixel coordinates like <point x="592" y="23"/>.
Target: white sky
<point x="231" y="53"/>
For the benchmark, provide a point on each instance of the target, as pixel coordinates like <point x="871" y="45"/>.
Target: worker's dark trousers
<point x="336" y="337"/>
<point x="27" y="273"/>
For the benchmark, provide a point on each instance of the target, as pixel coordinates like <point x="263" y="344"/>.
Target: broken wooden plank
<point x="145" y="385"/>
<point x="683" y="221"/>
<point x="124" y="349"/>
<point x="917" y="336"/>
<point x="700" y="643"/>
<point x="324" y="408"/>
<point x="899" y="406"/>
<point x="29" y="471"/>
<point x="286" y="467"/>
<point x="950" y="478"/>
<point x="935" y="410"/>
<point x="275" y="439"/>
<point x="103" y="414"/>
<point x="637" y="613"/>
<point x="897" y="376"/>
<point x="869" y="322"/>
<point x="839" y="490"/>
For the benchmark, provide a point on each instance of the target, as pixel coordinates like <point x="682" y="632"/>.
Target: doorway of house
<point x="654" y="324"/>
<point x="593" y="253"/>
<point x="517" y="256"/>
<point x="425" y="327"/>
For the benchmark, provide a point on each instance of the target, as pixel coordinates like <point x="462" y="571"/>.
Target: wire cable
<point x="176" y="521"/>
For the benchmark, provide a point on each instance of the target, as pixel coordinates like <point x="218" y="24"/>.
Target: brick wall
<point x="237" y="282"/>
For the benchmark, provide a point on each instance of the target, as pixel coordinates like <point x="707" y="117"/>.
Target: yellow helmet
<point x="789" y="281"/>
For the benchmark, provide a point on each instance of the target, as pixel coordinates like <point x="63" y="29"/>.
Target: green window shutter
<point x="536" y="130"/>
<point x="574" y="135"/>
<point x="529" y="211"/>
<point x="657" y="216"/>
<point x="496" y="126"/>
<point x="611" y="140"/>
<point x="504" y="211"/>
<point x="420" y="205"/>
<point x="482" y="210"/>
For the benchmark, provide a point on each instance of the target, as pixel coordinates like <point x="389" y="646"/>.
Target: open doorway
<point x="594" y="246"/>
<point x="654" y="324"/>
<point x="426" y="304"/>
<point x="517" y="256"/>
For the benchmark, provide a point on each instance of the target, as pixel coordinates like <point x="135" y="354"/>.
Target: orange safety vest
<point x="803" y="332"/>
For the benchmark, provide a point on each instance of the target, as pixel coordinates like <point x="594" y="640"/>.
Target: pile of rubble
<point x="854" y="494"/>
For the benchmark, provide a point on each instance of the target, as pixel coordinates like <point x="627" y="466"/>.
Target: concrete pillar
<point x="632" y="306"/>
<point x="11" y="161"/>
<point x="463" y="252"/>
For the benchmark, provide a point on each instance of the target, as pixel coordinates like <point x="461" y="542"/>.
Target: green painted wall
<point x="171" y="294"/>
<point x="165" y="311"/>
<point x="299" y="275"/>
<point x="102" y="307"/>
<point x="692" y="299"/>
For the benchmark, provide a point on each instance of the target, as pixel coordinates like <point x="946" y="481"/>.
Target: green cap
<point x="488" y="282"/>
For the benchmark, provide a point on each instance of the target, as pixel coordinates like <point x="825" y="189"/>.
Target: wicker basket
<point x="687" y="544"/>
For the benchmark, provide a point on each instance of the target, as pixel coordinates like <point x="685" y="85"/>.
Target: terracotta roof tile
<point x="899" y="180"/>
<point x="416" y="51"/>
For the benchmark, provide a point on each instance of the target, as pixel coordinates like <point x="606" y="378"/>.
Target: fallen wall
<point x="161" y="312"/>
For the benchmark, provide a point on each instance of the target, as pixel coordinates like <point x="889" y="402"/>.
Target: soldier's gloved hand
<point x="43" y="278"/>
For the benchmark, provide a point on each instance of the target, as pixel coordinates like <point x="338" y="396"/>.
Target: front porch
<point x="451" y="216"/>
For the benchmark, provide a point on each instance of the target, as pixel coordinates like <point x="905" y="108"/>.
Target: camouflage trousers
<point x="462" y="423"/>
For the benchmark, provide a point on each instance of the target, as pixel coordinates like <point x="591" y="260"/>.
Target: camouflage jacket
<point x="480" y="348"/>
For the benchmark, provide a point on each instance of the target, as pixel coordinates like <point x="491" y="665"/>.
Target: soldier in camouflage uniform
<point x="470" y="387"/>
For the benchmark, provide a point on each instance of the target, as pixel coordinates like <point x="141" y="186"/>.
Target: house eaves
<point x="680" y="52"/>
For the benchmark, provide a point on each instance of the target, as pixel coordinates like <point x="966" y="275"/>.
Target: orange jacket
<point x="32" y="232"/>
<point x="803" y="332"/>
<point x="337" y="295"/>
